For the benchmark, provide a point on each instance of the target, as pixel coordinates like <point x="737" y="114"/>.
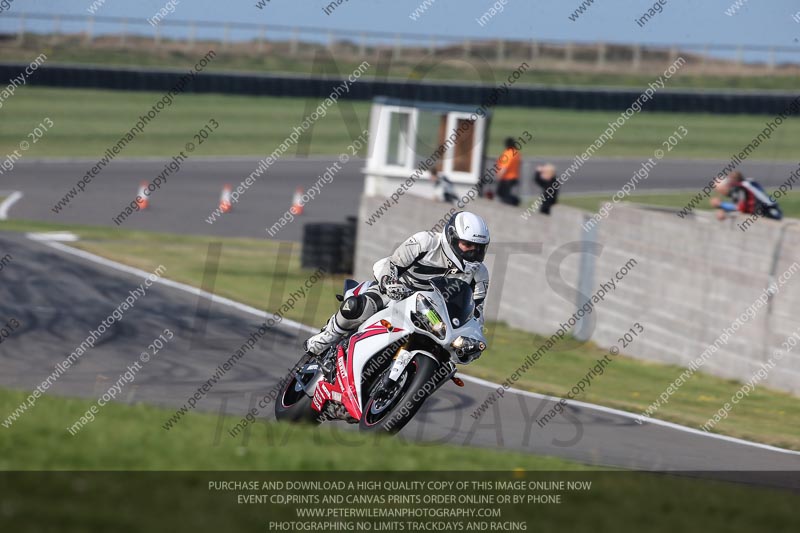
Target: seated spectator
<point x="747" y="196"/>
<point x="443" y="188"/>
<point x="545" y="178"/>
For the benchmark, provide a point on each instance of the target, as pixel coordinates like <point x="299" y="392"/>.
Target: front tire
<point x="293" y="404"/>
<point x="389" y="411"/>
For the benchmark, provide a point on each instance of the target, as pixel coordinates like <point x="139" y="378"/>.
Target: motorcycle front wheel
<point x="390" y="408"/>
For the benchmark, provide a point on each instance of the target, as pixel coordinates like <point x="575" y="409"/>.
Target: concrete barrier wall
<point x="689" y="281"/>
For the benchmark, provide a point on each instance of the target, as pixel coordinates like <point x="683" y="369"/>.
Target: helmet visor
<point x="471" y="251"/>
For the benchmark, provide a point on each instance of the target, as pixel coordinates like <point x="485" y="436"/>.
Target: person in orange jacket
<point x="508" y="166"/>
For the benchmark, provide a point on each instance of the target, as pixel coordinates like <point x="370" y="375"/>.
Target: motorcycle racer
<point x="456" y="252"/>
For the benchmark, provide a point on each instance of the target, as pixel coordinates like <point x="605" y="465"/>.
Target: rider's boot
<point x="329" y="335"/>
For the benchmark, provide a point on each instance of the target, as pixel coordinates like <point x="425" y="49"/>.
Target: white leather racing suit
<point x="418" y="259"/>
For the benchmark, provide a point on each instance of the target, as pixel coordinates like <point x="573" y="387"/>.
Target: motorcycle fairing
<point x="346" y="389"/>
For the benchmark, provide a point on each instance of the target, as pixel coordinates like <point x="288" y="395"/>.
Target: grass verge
<point x="50" y="484"/>
<point x="125" y="437"/>
<point x="248" y="268"/>
<point x="87" y="122"/>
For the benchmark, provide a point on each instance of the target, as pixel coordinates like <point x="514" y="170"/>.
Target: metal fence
<point x="305" y="41"/>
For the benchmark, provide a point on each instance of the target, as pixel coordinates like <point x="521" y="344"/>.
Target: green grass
<point x="790" y="203"/>
<point x="591" y="202"/>
<point x="248" y="59"/>
<point x="632" y="384"/>
<point x="57" y="479"/>
<point x="125" y="437"/>
<point x="87" y="122"/>
<point x="247" y="271"/>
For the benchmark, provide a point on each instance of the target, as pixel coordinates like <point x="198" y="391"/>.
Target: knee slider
<point x="353" y="307"/>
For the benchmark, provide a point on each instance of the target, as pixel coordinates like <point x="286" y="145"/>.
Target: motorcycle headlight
<point x="427" y="318"/>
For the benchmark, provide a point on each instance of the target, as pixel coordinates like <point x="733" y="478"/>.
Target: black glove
<point x="469" y="350"/>
<point x="470" y="357"/>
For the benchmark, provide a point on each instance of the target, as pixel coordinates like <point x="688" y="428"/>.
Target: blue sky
<point x="758" y="22"/>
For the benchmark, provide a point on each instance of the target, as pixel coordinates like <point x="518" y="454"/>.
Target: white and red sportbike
<point x="381" y="374"/>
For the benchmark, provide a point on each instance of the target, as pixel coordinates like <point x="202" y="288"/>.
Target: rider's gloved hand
<point x="469" y="358"/>
<point x="393" y="288"/>
<point x="467" y="350"/>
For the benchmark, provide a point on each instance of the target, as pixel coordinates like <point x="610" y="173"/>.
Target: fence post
<point x="637" y="56"/>
<point x="467" y="48"/>
<point x="673" y="54"/>
<point x="192" y="34"/>
<point x="535" y="50"/>
<point x="771" y="64"/>
<point x="362" y="45"/>
<point x="56" y="29"/>
<point x="501" y="50"/>
<point x="260" y="42"/>
<point x="568" y="53"/>
<point x="89" y="30"/>
<point x="21" y="30"/>
<point x="226" y="35"/>
<point x="124" y="33"/>
<point x="396" y="52"/>
<point x="293" y="43"/>
<point x="601" y="55"/>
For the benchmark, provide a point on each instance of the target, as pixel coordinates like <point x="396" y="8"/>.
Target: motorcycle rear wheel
<point x="293" y="404"/>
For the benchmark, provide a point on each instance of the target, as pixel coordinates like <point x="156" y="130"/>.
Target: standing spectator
<point x="545" y="178"/>
<point x="747" y="196"/>
<point x="508" y="173"/>
<point x="442" y="187"/>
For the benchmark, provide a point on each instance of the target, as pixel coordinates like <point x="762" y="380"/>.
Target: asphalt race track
<point x="58" y="298"/>
<point x="184" y="202"/>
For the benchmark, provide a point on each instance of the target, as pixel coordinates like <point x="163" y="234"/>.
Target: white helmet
<point x="469" y="227"/>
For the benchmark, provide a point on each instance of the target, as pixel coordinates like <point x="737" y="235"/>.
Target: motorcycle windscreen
<point x="458" y="297"/>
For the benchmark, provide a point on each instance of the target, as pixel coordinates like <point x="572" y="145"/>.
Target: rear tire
<point x="380" y="415"/>
<point x="293" y="404"/>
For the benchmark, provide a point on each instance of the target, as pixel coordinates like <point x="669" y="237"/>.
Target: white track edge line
<point x="627" y="414"/>
<point x="7" y="203"/>
<point x="478" y="381"/>
<point x="174" y="284"/>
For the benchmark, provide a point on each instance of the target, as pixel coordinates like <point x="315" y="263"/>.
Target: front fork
<point x="403" y="357"/>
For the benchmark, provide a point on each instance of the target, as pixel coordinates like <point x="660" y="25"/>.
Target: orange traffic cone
<point x="141" y="199"/>
<point x="297" y="202"/>
<point x="225" y="199"/>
